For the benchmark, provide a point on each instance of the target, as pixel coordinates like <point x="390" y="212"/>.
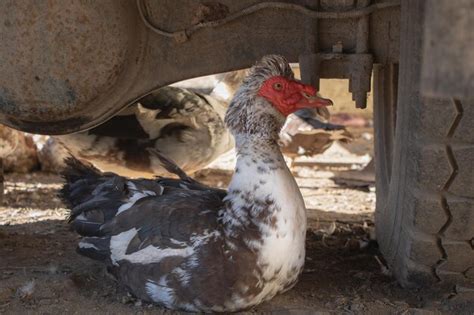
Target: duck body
<point x="185" y="125"/>
<point x="187" y="246"/>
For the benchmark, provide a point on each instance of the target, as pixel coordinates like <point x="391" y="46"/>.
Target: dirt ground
<point x="40" y="273"/>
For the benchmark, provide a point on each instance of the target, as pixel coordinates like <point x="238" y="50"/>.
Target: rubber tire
<point x="424" y="171"/>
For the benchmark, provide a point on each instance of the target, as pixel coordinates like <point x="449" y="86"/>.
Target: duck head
<point x="267" y="95"/>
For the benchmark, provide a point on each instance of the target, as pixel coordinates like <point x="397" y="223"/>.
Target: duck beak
<point x="310" y="100"/>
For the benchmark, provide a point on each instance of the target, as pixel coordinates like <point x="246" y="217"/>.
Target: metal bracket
<point x="355" y="67"/>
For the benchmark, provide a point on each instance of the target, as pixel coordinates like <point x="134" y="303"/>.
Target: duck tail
<point x="79" y="179"/>
<point x="184" y="179"/>
<point x="97" y="248"/>
<point x="94" y="197"/>
<point x="170" y="165"/>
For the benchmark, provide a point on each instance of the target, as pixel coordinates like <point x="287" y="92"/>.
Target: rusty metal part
<point x="448" y="50"/>
<point x="362" y="45"/>
<point x="64" y="64"/>
<point x="357" y="67"/>
<point x="69" y="66"/>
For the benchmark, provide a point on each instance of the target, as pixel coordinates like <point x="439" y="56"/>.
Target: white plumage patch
<point x="147" y="119"/>
<point x="136" y="195"/>
<point x="281" y="248"/>
<point x="160" y="292"/>
<point x="183" y="275"/>
<point x="150" y="254"/>
<point x="85" y="245"/>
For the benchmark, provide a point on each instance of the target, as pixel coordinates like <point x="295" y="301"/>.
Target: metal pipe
<point x="183" y="35"/>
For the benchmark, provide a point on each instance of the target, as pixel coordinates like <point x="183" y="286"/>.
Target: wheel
<point x="424" y="155"/>
<point x="385" y="100"/>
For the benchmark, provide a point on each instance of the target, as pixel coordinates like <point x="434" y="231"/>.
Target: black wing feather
<point x="168" y="219"/>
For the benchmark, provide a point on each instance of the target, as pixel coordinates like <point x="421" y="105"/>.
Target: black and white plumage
<point x="183" y="122"/>
<point x="187" y="246"/>
<point x="185" y="125"/>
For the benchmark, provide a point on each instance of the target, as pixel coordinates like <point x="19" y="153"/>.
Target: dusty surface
<point x="41" y="273"/>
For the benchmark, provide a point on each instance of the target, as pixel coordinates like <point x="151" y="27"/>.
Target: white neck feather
<point x="223" y="92"/>
<point x="262" y="171"/>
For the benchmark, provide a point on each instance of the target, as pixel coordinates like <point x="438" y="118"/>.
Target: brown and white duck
<point x="183" y="245"/>
<point x="185" y="125"/>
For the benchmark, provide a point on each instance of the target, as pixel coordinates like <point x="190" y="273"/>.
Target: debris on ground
<point x="18" y="151"/>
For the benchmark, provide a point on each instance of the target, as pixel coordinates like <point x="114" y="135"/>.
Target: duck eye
<point x="277" y="86"/>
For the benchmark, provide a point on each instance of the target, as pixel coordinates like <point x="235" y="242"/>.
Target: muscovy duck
<point x="185" y="125"/>
<point x="183" y="245"/>
<point x="183" y="121"/>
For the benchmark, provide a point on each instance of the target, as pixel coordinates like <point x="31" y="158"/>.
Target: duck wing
<point x="170" y="102"/>
<point x="165" y="112"/>
<point x="171" y="111"/>
<point x="123" y="219"/>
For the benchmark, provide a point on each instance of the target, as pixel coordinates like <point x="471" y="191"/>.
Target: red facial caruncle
<point x="287" y="96"/>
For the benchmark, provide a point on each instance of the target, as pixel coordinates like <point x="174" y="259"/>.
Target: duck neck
<point x="263" y="195"/>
